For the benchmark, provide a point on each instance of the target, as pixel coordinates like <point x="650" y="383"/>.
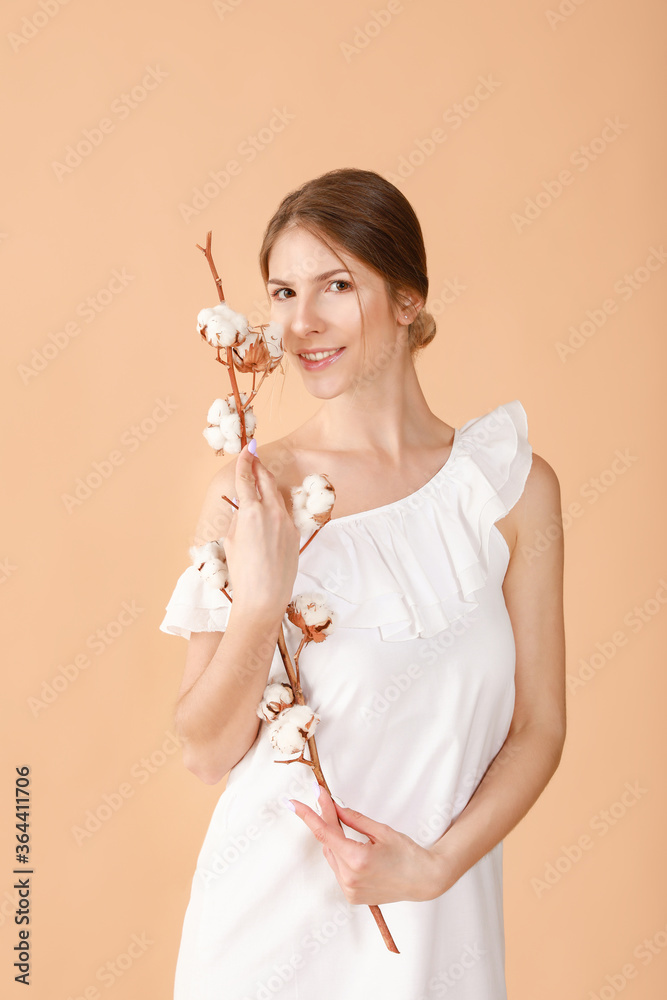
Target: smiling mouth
<point x="319" y="355"/>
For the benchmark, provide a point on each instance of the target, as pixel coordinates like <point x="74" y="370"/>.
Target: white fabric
<point x="415" y="688"/>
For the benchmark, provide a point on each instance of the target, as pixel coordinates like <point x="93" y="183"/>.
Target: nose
<point x="304" y="319"/>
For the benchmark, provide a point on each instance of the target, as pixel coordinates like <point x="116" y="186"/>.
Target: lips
<point x="323" y="363"/>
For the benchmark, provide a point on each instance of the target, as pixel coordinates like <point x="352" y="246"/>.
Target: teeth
<point x="319" y="355"/>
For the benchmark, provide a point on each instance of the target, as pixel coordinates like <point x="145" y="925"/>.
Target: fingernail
<point x="340" y="803"/>
<point x="289" y="805"/>
<point x="235" y="499"/>
<point x="252" y="446"/>
<point x="317" y="788"/>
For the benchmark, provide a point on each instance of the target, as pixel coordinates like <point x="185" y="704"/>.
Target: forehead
<point x="299" y="255"/>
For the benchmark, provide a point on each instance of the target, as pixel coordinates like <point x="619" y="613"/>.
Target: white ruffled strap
<point x="412" y="568"/>
<point x="195" y="606"/>
<point x="409" y="568"/>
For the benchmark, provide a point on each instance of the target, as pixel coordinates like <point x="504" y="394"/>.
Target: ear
<point x="411" y="306"/>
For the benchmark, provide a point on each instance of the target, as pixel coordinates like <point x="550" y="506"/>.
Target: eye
<point x="336" y="281"/>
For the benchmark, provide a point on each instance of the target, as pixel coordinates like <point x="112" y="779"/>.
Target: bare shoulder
<point x="538" y="510"/>
<point x="279" y="457"/>
<point x="542" y="487"/>
<point x="215" y="511"/>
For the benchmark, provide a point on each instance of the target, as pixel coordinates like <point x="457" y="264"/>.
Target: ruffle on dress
<point x="409" y="568"/>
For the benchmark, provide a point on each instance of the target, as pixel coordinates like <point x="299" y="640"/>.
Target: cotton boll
<point x="233" y="444"/>
<point x="211" y="567"/>
<point x="319" y="500"/>
<point x="219" y="408"/>
<point x="202" y="553"/>
<point x="313" y="609"/>
<point x="215" y="437"/>
<point x="250" y="421"/>
<point x="292" y="728"/>
<point x="221" y="325"/>
<point x="230" y="424"/>
<point x="275" y="699"/>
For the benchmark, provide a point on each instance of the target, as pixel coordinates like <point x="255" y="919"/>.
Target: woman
<point x="441" y="687"/>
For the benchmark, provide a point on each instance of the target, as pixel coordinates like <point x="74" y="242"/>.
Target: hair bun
<point x="422" y="330"/>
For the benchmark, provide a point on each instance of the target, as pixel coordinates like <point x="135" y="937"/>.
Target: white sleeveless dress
<point x="415" y="689"/>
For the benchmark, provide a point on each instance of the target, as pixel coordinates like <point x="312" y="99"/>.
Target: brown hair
<point x="361" y="212"/>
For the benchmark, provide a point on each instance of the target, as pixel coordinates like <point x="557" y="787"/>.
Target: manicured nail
<point x="317" y="788"/>
<point x="252" y="446"/>
<point x="289" y="805"/>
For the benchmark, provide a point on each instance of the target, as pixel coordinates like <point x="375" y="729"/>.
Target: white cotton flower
<point x="224" y="430"/>
<point x="276" y="698"/>
<point x="260" y="350"/>
<point x="221" y="325"/>
<point x="211" y="562"/>
<point x="310" y="613"/>
<point x="218" y="409"/>
<point x="312" y="503"/>
<point x="215" y="438"/>
<point x="292" y="728"/>
<point x="202" y="553"/>
<point x="314" y="610"/>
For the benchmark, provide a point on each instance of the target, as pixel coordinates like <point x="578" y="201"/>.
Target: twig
<point x="292" y="672"/>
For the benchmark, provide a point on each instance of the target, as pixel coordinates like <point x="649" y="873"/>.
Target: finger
<point x="362" y="824"/>
<point x="326" y="804"/>
<point x="246" y="489"/>
<point x="328" y="834"/>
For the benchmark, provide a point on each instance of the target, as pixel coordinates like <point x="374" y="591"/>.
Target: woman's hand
<point x="389" y="868"/>
<point x="262" y="542"/>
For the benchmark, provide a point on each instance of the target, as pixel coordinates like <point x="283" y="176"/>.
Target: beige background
<point x="354" y="94"/>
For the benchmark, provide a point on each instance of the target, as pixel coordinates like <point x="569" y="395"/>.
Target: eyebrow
<point x="318" y="277"/>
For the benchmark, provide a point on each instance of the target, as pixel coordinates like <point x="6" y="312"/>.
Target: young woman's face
<point x="313" y="297"/>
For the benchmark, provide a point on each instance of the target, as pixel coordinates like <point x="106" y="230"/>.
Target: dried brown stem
<point x="296" y="659"/>
<point x="209" y="257"/>
<point x="314" y="762"/>
<point x="306" y="544"/>
<point x="292" y="673"/>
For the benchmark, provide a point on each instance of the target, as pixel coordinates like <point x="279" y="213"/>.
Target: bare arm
<point x="533" y="590"/>
<point x="226" y="673"/>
